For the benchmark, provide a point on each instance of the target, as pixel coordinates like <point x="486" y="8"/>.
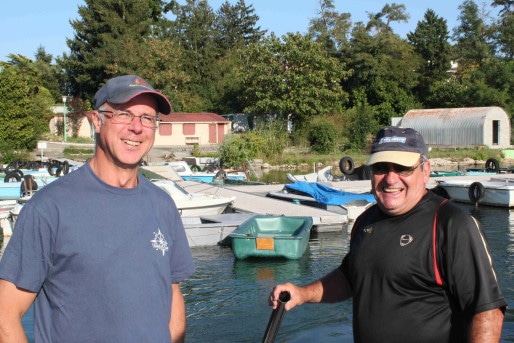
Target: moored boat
<point x="493" y="192"/>
<point x="187" y="174"/>
<point x="324" y="197"/>
<point x="272" y="236"/>
<point x="194" y="204"/>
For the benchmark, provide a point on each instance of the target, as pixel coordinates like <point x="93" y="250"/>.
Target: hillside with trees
<point x="342" y="77"/>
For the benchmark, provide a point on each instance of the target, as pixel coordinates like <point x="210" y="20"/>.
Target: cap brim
<point x="403" y="158"/>
<point x="163" y="102"/>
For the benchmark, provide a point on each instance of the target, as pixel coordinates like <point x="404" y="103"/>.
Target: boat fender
<point x="492" y="164"/>
<point x="476" y="192"/>
<point x="12" y="176"/>
<point x="346" y="165"/>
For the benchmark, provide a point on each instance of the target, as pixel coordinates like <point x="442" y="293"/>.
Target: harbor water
<point x="227" y="299"/>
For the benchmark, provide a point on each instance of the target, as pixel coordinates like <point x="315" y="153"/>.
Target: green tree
<point x="24" y="112"/>
<point x="103" y="26"/>
<point x="362" y="125"/>
<point x="505" y="27"/>
<point x="193" y="30"/>
<point x="382" y="75"/>
<point x="50" y="75"/>
<point x="330" y="29"/>
<point x="235" y="26"/>
<point x="322" y="135"/>
<point x="390" y="13"/>
<point x="430" y="41"/>
<point x="472" y="37"/>
<point x="296" y="79"/>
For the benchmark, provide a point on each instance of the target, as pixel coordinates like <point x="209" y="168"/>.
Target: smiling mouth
<point x="132" y="143"/>
<point x="392" y="190"/>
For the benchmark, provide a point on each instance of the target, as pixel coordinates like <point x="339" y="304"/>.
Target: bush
<point x="322" y="136"/>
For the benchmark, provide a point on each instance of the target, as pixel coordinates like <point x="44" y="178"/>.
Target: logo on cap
<point x="139" y="82"/>
<point x="394" y="139"/>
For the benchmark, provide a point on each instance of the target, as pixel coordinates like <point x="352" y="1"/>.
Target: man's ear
<point x="95" y="119"/>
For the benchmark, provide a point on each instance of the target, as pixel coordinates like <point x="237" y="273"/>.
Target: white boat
<point x="194" y="204"/>
<point x="493" y="192"/>
<point x="326" y="198"/>
<point x="186" y="173"/>
<point x="214" y="229"/>
<point x="322" y="175"/>
<point x="8" y="209"/>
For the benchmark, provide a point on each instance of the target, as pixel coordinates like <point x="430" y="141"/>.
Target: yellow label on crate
<point x="265" y="243"/>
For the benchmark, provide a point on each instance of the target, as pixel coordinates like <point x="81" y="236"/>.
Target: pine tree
<point x="430" y="41"/>
<point x="104" y="25"/>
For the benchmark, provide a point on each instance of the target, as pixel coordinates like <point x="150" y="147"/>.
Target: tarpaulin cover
<point x="326" y="195"/>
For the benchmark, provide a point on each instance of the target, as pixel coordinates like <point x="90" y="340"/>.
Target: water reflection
<point x="271" y="270"/>
<point x="227" y="299"/>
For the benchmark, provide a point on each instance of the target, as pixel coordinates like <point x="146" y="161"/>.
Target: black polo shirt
<point x="391" y="269"/>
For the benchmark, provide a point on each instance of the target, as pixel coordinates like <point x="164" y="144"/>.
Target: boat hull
<point x="213" y="229"/>
<point x="496" y="192"/>
<point x="272" y="236"/>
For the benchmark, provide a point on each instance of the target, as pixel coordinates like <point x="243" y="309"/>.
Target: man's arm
<point x="14" y="303"/>
<point x="331" y="288"/>
<point x="178" y="315"/>
<point x="486" y="327"/>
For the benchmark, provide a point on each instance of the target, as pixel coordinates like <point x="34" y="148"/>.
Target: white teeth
<point x="132" y="143"/>
<point x="391" y="190"/>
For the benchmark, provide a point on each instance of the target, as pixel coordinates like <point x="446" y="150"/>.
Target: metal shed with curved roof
<point x="461" y="127"/>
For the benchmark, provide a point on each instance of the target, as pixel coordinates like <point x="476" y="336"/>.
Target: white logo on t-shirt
<point x="159" y="243"/>
<point x="405" y="240"/>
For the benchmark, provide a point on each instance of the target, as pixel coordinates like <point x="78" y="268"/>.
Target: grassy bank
<point x="302" y="157"/>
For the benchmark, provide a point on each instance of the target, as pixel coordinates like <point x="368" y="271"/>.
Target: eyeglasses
<point x="125" y="117"/>
<point x="382" y="168"/>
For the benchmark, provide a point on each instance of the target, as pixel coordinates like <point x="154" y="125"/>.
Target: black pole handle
<point x="276" y="318"/>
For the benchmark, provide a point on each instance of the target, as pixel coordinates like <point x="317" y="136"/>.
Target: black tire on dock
<point x="492" y="164"/>
<point x="476" y="192"/>
<point x="12" y="176"/>
<point x="65" y="167"/>
<point x="346" y="165"/>
<point x="54" y="169"/>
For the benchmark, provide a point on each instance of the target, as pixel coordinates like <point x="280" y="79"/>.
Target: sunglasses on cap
<point x="382" y="168"/>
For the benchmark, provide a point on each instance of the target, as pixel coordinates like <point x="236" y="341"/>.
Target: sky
<point x="34" y="23"/>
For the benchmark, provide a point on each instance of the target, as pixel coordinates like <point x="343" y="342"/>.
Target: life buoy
<point x="195" y="168"/>
<point x="492" y="165"/>
<point x="476" y="192"/>
<point x="346" y="165"/>
<point x="12" y="176"/>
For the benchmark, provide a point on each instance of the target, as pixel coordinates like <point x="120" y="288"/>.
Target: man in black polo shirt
<point x="419" y="268"/>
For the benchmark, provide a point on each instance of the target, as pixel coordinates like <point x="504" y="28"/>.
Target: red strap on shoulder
<point x="437" y="273"/>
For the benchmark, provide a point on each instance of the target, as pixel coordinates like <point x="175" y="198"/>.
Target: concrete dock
<point x="253" y="199"/>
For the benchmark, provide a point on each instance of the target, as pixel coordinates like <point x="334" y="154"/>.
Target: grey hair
<point x="100" y="113"/>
